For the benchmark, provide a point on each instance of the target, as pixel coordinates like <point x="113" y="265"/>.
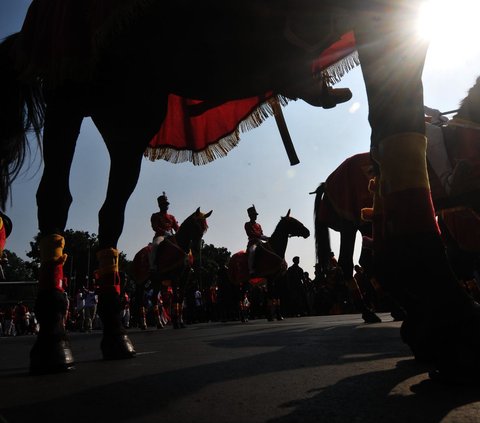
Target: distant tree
<point x="16" y="269"/>
<point x="209" y="261"/>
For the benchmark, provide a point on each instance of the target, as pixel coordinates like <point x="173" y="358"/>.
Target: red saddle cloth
<point x="355" y="173"/>
<point x="267" y="263"/>
<point x="201" y="139"/>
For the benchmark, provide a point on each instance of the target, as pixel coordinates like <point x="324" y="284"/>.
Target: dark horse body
<point x="173" y="264"/>
<point x="269" y="262"/>
<point x="217" y="51"/>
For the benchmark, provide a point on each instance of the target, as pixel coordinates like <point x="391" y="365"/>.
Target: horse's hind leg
<point x="51" y="352"/>
<point x="443" y="324"/>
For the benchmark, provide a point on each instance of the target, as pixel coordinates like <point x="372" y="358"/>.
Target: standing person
<point x="255" y="237"/>
<point x="295" y="276"/>
<point x="80" y="309"/>
<point x="163" y="224"/>
<point x="91" y="301"/>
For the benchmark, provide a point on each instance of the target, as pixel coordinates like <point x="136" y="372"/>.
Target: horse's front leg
<point x="51" y="352"/>
<point x="443" y="324"/>
<point x="125" y="147"/>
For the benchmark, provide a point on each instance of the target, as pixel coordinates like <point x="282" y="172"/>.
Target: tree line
<point x="81" y="263"/>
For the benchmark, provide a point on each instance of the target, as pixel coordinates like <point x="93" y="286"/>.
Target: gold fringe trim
<point x="221" y="147"/>
<point x="335" y="72"/>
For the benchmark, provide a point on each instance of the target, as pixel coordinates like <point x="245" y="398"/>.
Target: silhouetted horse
<point x="340" y="209"/>
<point x="173" y="262"/>
<point x="269" y="263"/>
<point x="117" y="62"/>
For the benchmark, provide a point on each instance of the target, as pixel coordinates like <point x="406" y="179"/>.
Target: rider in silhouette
<point x="164" y="225"/>
<point x="255" y="236"/>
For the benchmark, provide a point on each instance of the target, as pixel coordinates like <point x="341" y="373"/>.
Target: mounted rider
<point x="164" y="225"/>
<point x="255" y="237"/>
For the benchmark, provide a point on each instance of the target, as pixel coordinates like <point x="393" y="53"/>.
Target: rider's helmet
<point x="162" y="200"/>
<point x="252" y="212"/>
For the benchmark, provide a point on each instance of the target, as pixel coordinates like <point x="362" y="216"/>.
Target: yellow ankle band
<point x="51" y="248"/>
<point x="107" y="261"/>
<point x="403" y="162"/>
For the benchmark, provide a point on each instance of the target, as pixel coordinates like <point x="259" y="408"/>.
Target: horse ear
<point x="208" y="214"/>
<point x="197" y="212"/>
<point x="288" y="213"/>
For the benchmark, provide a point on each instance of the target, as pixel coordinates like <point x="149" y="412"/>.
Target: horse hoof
<point x="48" y="357"/>
<point x="117" y="347"/>
<point x="370" y="317"/>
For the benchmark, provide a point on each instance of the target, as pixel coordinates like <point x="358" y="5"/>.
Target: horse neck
<point x="278" y="240"/>
<point x="184" y="238"/>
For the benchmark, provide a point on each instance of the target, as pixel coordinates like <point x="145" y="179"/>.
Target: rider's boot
<point x="319" y="94"/>
<point x="115" y="343"/>
<point x="51" y="352"/>
<point x="442" y="324"/>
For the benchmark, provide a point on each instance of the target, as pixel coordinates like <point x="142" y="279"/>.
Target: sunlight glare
<point x="449" y="26"/>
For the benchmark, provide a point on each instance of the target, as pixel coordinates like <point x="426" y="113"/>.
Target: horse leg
<point x="177" y="309"/>
<point x="345" y="261"/>
<point x="412" y="261"/>
<point x="51" y="352"/>
<point x="140" y="310"/>
<point x="157" y="310"/>
<point x="126" y="149"/>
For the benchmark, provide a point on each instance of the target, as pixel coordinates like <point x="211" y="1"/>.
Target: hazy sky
<point x="257" y="171"/>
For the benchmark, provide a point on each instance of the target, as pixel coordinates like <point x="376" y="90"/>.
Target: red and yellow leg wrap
<point x="404" y="186"/>
<point x="52" y="260"/>
<point x="107" y="274"/>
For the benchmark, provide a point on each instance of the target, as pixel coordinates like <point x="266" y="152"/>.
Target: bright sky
<point x="257" y="171"/>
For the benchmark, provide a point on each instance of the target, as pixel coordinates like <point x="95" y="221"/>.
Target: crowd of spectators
<point x="17" y="320"/>
<point x="219" y="301"/>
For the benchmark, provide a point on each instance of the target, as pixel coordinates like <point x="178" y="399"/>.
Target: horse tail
<point x="322" y="233"/>
<point x="22" y="110"/>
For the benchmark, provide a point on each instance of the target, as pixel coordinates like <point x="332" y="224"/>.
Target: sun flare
<point x="450" y="26"/>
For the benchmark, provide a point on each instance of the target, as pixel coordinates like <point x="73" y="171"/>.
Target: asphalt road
<point x="309" y="369"/>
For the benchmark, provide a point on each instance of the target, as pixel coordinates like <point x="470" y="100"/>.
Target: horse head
<point x="294" y="227"/>
<point x="195" y="226"/>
